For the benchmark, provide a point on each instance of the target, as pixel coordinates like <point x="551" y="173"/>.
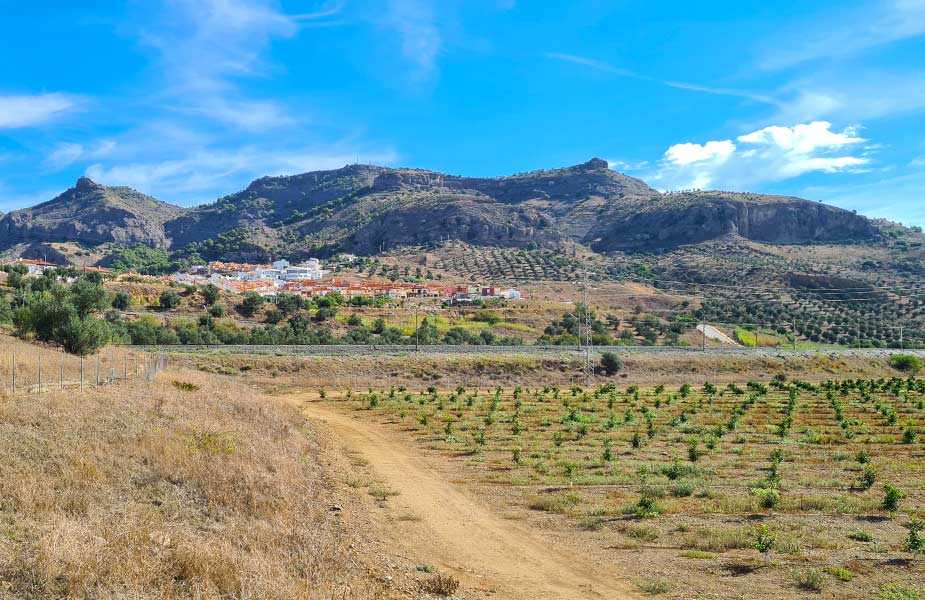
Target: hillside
<point x="365" y="209"/>
<point x="91" y="214"/>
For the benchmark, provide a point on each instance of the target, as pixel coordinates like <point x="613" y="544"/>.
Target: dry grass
<point x="136" y="491"/>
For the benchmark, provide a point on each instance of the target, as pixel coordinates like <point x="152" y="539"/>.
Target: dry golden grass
<point x="152" y="491"/>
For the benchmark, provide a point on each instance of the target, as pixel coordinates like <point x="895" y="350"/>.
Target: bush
<point x="440" y="585"/>
<point x="169" y="300"/>
<point x="122" y="301"/>
<point x="895" y="591"/>
<point x="892" y="497"/>
<point x="906" y="362"/>
<point x="861" y="536"/>
<point x="809" y="579"/>
<point x="915" y="541"/>
<point x="84" y="336"/>
<point x="611" y="364"/>
<point x="767" y="497"/>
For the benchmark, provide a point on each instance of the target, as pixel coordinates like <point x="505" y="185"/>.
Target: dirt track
<point x="462" y="535"/>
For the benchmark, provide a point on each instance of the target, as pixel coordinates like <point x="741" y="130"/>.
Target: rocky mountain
<point x="365" y="208"/>
<point x="91" y="214"/>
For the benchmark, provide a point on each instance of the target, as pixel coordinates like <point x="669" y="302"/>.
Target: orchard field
<point x="780" y="487"/>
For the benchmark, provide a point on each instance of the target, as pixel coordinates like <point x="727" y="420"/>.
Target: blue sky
<point x="191" y="99"/>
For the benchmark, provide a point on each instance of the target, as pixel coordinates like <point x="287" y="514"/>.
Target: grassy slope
<point x="136" y="491"/>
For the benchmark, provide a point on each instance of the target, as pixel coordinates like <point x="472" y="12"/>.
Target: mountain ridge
<point x="364" y="208"/>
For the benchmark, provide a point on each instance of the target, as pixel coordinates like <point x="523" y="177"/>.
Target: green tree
<point x="169" y="299"/>
<point x="611" y="364"/>
<point x="88" y="297"/>
<point x="122" y="301"/>
<point x="251" y="304"/>
<point x="209" y="294"/>
<point x="84" y="335"/>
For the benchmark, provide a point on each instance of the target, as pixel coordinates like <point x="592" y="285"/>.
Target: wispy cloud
<point x="893" y="198"/>
<point x="66" y="154"/>
<point x="848" y="34"/>
<point x="205" y="47"/>
<point x="415" y="23"/>
<point x="199" y="175"/>
<point x="17" y="111"/>
<point x="609" y="68"/>
<point x="770" y="154"/>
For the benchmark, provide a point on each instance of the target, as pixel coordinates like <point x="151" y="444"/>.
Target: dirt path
<point x="462" y="535"/>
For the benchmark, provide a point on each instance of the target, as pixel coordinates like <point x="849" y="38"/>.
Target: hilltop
<point x="365" y="209"/>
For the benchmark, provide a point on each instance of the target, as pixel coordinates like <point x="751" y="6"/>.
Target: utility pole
<point x="589" y="370"/>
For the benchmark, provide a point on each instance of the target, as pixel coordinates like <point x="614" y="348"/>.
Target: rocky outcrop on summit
<point x="91" y="214"/>
<point x="672" y="220"/>
<point x="365" y="208"/>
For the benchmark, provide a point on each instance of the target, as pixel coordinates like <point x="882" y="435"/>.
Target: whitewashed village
<point x="308" y="280"/>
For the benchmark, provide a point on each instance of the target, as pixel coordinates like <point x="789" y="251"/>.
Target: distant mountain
<point x="364" y="208"/>
<point x="91" y="214"/>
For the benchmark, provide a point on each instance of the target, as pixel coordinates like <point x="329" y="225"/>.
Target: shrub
<point x="915" y="541"/>
<point x="861" y="536"/>
<point x="809" y="579"/>
<point x="840" y="573"/>
<point x="611" y="364"/>
<point x="906" y="362"/>
<point x="440" y="585"/>
<point x="169" y="299"/>
<point x="647" y="508"/>
<point x="185" y="386"/>
<point x="895" y="591"/>
<point x="121" y="301"/>
<point x="765" y="542"/>
<point x="891" y="498"/>
<point x="654" y="587"/>
<point x="767" y="497"/>
<point x="869" y="477"/>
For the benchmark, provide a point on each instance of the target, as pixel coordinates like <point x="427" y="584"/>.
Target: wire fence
<point x="34" y="370"/>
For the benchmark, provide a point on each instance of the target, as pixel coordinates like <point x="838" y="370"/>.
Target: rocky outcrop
<point x="91" y="214"/>
<point x="363" y="208"/>
<point x="670" y="222"/>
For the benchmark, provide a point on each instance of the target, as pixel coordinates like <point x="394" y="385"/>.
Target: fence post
<point x="14" y="373"/>
<point x="81" y="372"/>
<point x="62" y="369"/>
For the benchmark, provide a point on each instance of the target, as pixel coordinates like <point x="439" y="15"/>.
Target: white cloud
<point x="687" y="153"/>
<point x="18" y="111"/>
<point x="769" y="154"/>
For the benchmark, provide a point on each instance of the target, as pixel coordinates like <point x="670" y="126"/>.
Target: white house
<point x="281" y="265"/>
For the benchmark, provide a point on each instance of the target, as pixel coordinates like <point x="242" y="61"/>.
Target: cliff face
<point x="91" y="214"/>
<point x="669" y="221"/>
<point x="364" y="208"/>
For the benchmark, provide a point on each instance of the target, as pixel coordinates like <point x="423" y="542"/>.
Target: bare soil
<point x="449" y="527"/>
